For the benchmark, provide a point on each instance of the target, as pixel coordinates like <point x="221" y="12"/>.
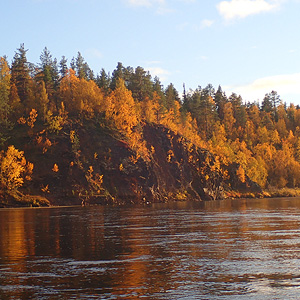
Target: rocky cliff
<point x="97" y="166"/>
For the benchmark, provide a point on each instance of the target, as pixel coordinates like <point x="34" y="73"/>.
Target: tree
<point x="63" y="66"/>
<point x="270" y="103"/>
<point x="80" y="95"/>
<point x="14" y="168"/>
<point x="150" y="109"/>
<point x="239" y="110"/>
<point x="254" y="114"/>
<point x="49" y="71"/>
<point x="17" y="108"/>
<point x="20" y="75"/>
<point x="117" y="74"/>
<point x="220" y="100"/>
<point x="122" y="109"/>
<point x="267" y="104"/>
<point x="42" y="100"/>
<point x="229" y="119"/>
<point x="171" y="95"/>
<point x="67" y="91"/>
<point x="4" y="92"/>
<point x="140" y="84"/>
<point x="83" y="70"/>
<point x="103" y="81"/>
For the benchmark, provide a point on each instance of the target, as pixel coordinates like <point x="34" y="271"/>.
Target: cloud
<point x="188" y="1"/>
<point x="203" y="57"/>
<point x="236" y="9"/>
<point x="161" y="73"/>
<point x="160" y="6"/>
<point x="285" y="84"/>
<point x="145" y="3"/>
<point x="94" y="53"/>
<point x="206" y="23"/>
<point x="196" y="27"/>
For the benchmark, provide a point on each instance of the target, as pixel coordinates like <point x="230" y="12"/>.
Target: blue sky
<point x="250" y="47"/>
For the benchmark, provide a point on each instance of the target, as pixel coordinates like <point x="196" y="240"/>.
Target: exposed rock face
<point x="178" y="165"/>
<point x="176" y="170"/>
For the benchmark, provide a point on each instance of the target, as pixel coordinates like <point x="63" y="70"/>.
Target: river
<point x="231" y="249"/>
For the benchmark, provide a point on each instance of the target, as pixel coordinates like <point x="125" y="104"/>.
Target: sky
<point x="249" y="47"/>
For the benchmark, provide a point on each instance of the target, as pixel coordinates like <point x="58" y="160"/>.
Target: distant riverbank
<point x="270" y="192"/>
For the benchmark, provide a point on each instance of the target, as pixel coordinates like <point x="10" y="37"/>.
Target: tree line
<point x="263" y="139"/>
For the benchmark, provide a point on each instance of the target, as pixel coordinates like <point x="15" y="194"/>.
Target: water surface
<point x="232" y="249"/>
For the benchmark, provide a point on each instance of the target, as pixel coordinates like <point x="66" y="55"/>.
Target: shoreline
<point x="267" y="193"/>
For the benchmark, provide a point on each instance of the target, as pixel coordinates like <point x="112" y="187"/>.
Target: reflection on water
<point x="233" y="249"/>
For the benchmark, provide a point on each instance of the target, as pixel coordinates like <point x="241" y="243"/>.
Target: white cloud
<point x="94" y="53"/>
<point x="203" y="57"/>
<point x="161" y="73"/>
<point x="160" y="6"/>
<point x="188" y="1"/>
<point x="206" y="23"/>
<point x="236" y="9"/>
<point x="286" y="85"/>
<point x="145" y="3"/>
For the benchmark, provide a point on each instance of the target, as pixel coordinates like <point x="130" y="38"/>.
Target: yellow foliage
<point x="55" y="168"/>
<point x="240" y="172"/>
<point x="150" y="109"/>
<point x="45" y="189"/>
<point x="121" y="109"/>
<point x="170" y="155"/>
<point x="14" y="168"/>
<point x="30" y="120"/>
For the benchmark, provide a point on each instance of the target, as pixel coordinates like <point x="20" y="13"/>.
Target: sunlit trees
<point x="68" y="87"/>
<point x="171" y="95"/>
<point x="5" y="107"/>
<point x="14" y="168"/>
<point x="263" y="139"/>
<point x="42" y="100"/>
<point x="229" y="119"/>
<point x="121" y="109"/>
<point x="140" y="84"/>
<point x="81" y="96"/>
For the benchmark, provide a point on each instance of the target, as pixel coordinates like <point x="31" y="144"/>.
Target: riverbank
<point x="17" y="199"/>
<point x="270" y="192"/>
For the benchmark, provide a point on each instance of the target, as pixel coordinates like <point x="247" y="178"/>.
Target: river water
<point x="231" y="249"/>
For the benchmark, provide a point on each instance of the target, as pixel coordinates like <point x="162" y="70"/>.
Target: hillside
<point x="103" y="169"/>
<point x="70" y="136"/>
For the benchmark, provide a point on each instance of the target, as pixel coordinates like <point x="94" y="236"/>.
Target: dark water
<point x="239" y="249"/>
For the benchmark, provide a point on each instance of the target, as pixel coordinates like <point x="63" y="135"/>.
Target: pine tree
<point x="63" y="66"/>
<point x="171" y="95"/>
<point x="20" y="74"/>
<point x="117" y="74"/>
<point x="103" y="81"/>
<point x="140" y="84"/>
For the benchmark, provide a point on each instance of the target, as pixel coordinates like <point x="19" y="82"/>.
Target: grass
<point x="283" y="192"/>
<point x="271" y="192"/>
<point x="18" y="199"/>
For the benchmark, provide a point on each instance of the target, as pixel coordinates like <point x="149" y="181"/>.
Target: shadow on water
<point x="232" y="249"/>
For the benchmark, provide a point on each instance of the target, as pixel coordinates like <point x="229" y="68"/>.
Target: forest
<point x="42" y="104"/>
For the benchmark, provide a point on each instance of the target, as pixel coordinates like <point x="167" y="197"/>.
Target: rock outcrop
<point x="101" y="168"/>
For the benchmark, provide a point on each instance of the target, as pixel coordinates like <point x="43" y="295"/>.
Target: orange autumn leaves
<point x="14" y="169"/>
